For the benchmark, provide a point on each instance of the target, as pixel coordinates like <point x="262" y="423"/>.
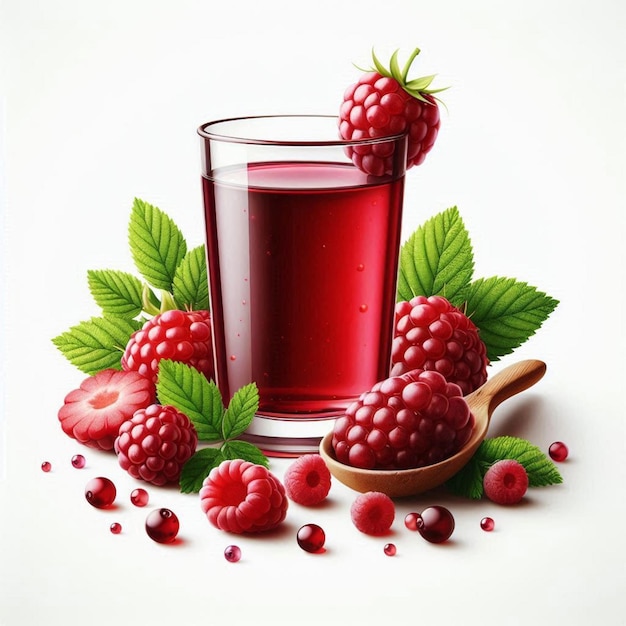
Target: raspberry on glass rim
<point x="384" y="102"/>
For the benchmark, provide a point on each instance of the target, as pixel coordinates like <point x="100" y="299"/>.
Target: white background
<point x="100" y="103"/>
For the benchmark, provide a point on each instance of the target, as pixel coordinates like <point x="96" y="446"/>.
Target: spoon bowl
<point x="407" y="482"/>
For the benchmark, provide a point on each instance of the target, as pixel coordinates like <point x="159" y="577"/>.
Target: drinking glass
<point x="302" y="252"/>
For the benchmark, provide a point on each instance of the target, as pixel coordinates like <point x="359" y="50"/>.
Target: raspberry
<point x="405" y="421"/>
<point x="183" y="336"/>
<point x="93" y="413"/>
<point x="242" y="497"/>
<point x="307" y="480"/>
<point x="382" y="103"/>
<point x="431" y="334"/>
<point x="155" y="444"/>
<point x="373" y="513"/>
<point x="506" y="482"/>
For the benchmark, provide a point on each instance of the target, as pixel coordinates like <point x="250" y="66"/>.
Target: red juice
<point x="303" y="261"/>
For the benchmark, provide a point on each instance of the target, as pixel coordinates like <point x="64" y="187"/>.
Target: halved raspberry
<point x="183" y="336"/>
<point x="405" y="421"/>
<point x="432" y="334"/>
<point x="93" y="413"/>
<point x="155" y="444"/>
<point x="242" y="497"/>
<point x="307" y="480"/>
<point x="373" y="513"/>
<point x="506" y="482"/>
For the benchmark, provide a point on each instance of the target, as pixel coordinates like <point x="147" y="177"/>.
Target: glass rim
<point x="241" y="139"/>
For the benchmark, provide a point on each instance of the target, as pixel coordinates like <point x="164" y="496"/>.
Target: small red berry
<point x="435" y="524"/>
<point x="232" y="554"/>
<point x="183" y="336"/>
<point x="155" y="444"/>
<point x="46" y="466"/>
<point x="139" y="497"/>
<point x="390" y="549"/>
<point x="307" y="480"/>
<point x="100" y="492"/>
<point x="506" y="482"/>
<point x="558" y="451"/>
<point x="116" y="528"/>
<point x="162" y="525"/>
<point x="410" y="521"/>
<point x="487" y="524"/>
<point x="78" y="461"/>
<point x="311" y="538"/>
<point x="373" y="513"/>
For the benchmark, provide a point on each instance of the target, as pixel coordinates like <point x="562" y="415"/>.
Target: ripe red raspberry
<point x="405" y="421"/>
<point x="505" y="482"/>
<point x="183" y="336"/>
<point x="383" y="103"/>
<point x="373" y="513"/>
<point x="93" y="413"/>
<point x="155" y="444"/>
<point x="431" y="334"/>
<point x="307" y="480"/>
<point x="242" y="497"/>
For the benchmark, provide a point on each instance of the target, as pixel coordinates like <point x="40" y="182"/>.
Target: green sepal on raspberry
<point x="417" y="88"/>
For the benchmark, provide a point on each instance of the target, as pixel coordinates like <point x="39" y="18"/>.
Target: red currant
<point x="46" y="466"/>
<point x="232" y="554"/>
<point x="435" y="524"/>
<point x="390" y="549"/>
<point x="100" y="492"/>
<point x="410" y="521"/>
<point x="487" y="524"/>
<point x="311" y="538"/>
<point x="139" y="497"/>
<point x="116" y="528"/>
<point x="558" y="451"/>
<point x="78" y="461"/>
<point x="162" y="525"/>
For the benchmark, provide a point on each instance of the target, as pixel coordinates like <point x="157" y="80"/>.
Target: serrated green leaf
<point x="240" y="411"/>
<point x="198" y="467"/>
<point x="437" y="259"/>
<point x="156" y="244"/>
<point x="188" y="390"/>
<point x="507" y="312"/>
<point x="468" y="482"/>
<point x="191" y="285"/>
<point x="235" y="449"/>
<point x="96" y="344"/>
<point x="116" y="293"/>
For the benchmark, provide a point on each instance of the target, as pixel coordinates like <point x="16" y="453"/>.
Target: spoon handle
<point x="508" y="382"/>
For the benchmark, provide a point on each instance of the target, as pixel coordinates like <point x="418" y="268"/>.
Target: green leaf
<point x="191" y="285"/>
<point x="540" y="469"/>
<point x="235" y="449"/>
<point x="507" y="312"/>
<point x="240" y="411"/>
<point x="96" y="344"/>
<point x="116" y="293"/>
<point x="437" y="259"/>
<point x="396" y="72"/>
<point x="156" y="244"/>
<point x="188" y="390"/>
<point x="198" y="467"/>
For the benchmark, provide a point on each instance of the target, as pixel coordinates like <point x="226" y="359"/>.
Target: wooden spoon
<point x="482" y="402"/>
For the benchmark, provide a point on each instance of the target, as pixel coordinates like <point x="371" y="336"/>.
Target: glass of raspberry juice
<point x="302" y="252"/>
